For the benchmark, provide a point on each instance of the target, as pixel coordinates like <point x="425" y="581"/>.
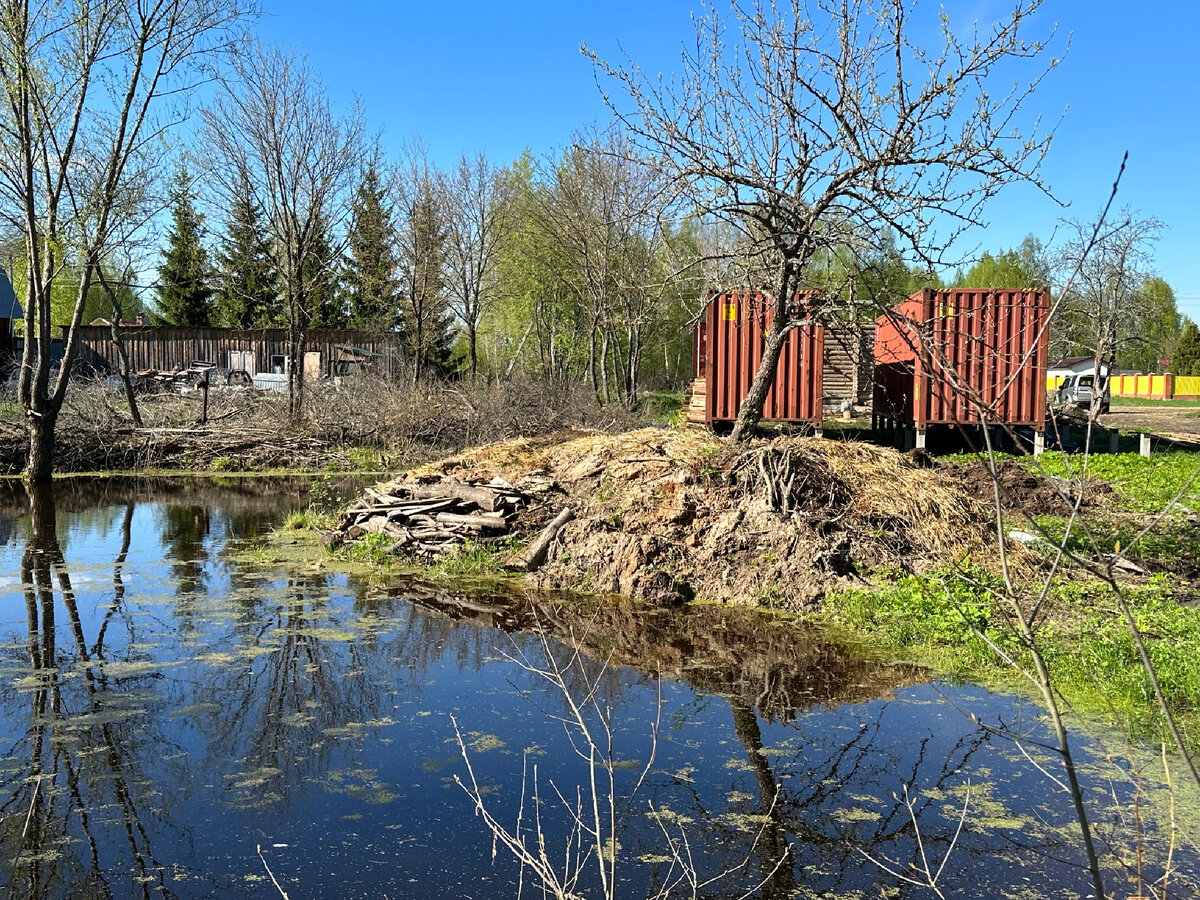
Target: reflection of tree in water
<point x="297" y="684"/>
<point x="184" y="529"/>
<point x="76" y="786"/>
<point x="820" y="799"/>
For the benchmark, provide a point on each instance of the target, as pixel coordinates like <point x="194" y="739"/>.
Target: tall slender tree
<point x="185" y="277"/>
<point x="275" y="123"/>
<point x="478" y="211"/>
<point x="422" y="264"/>
<point x="249" y="283"/>
<point x="371" y="276"/>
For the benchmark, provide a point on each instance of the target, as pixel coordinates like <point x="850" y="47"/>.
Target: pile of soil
<point x="1024" y="492"/>
<point x="671" y="515"/>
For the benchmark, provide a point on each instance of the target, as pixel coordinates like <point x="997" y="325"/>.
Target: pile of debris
<point x="432" y="518"/>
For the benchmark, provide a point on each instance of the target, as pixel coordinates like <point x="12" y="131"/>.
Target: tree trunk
<point x="300" y="376"/>
<point x="775" y="862"/>
<point x="123" y="370"/>
<point x="606" y="395"/>
<point x="39" y="469"/>
<point x="472" y="343"/>
<point x="750" y="413"/>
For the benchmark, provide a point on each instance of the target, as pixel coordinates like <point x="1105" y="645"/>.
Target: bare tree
<point x="89" y="87"/>
<point x="275" y="126"/>
<point x="478" y="211"/>
<point x="804" y="122"/>
<point x="1107" y="311"/>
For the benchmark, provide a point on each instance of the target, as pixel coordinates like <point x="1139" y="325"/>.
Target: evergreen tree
<point x="249" y="283"/>
<point x="322" y="279"/>
<point x="428" y="329"/>
<point x="184" y="292"/>
<point x="1186" y="360"/>
<point x="371" y="283"/>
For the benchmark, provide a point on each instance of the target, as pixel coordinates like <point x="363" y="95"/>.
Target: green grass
<point x="308" y="520"/>
<point x="1145" y="401"/>
<point x="661" y="406"/>
<point x="1142" y="484"/>
<point x="1086" y="644"/>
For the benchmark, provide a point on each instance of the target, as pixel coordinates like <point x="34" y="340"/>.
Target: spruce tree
<point x="371" y="282"/>
<point x="322" y="280"/>
<point x="1186" y="360"/>
<point x="249" y="294"/>
<point x="184" y="291"/>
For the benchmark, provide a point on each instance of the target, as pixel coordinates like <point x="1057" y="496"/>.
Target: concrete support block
<point x="1144" y="444"/>
<point x="1114" y="441"/>
<point x="921" y="439"/>
<point x="1039" y="443"/>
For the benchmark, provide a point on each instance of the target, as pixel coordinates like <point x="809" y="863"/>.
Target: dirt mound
<point x="1025" y="492"/>
<point x="670" y="515"/>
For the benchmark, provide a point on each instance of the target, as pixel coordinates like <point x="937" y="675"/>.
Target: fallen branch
<point x="535" y="554"/>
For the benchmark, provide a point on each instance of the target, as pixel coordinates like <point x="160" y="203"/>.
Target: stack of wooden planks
<point x="696" y="401"/>
<point x="433" y="518"/>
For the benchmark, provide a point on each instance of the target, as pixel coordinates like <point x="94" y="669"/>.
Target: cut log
<point x="535" y="554"/>
<point x="477" y="520"/>
<point x="485" y="498"/>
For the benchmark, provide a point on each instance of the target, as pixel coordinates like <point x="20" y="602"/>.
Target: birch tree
<point x="478" y="211"/>
<point x="88" y="89"/>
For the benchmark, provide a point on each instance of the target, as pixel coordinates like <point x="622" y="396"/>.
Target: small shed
<point x="727" y="348"/>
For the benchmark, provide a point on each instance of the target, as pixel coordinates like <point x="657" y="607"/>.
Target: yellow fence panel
<point x="1158" y="386"/>
<point x="1187" y="385"/>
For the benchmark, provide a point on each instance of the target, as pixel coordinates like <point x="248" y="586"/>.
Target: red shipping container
<point x="728" y="348"/>
<point x="943" y="356"/>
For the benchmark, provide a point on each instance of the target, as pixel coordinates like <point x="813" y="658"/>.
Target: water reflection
<point x="78" y="766"/>
<point x="167" y="704"/>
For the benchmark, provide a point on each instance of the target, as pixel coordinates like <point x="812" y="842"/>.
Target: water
<point x="180" y="718"/>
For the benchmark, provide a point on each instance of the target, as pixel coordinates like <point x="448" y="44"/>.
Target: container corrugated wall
<point x="733" y="340"/>
<point x="942" y="356"/>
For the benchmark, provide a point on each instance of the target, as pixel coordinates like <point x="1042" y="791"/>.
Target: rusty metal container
<point x="728" y="347"/>
<point x="963" y="357"/>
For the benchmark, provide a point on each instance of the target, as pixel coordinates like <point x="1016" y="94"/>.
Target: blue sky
<point x="499" y="77"/>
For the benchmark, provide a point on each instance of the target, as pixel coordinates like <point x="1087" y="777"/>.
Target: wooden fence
<point x="170" y="348"/>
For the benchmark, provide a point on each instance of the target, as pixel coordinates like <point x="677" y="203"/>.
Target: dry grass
<point x="666" y="514"/>
<point x="401" y="421"/>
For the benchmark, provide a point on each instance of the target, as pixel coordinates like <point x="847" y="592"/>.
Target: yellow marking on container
<point x="729" y="313"/>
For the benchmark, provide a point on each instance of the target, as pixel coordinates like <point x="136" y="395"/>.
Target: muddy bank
<point x="670" y="515"/>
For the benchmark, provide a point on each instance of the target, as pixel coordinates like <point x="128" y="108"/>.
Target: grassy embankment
<point x="1083" y="635"/>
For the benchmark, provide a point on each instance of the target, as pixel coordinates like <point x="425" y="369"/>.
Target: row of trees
<point x="576" y="266"/>
<point x="837" y="171"/>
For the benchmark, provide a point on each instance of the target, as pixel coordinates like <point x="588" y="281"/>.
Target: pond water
<point x="180" y="717"/>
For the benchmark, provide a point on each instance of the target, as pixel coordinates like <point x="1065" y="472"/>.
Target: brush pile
<point x="432" y="517"/>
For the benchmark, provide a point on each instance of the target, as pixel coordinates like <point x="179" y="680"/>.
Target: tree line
<point x="836" y="172"/>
